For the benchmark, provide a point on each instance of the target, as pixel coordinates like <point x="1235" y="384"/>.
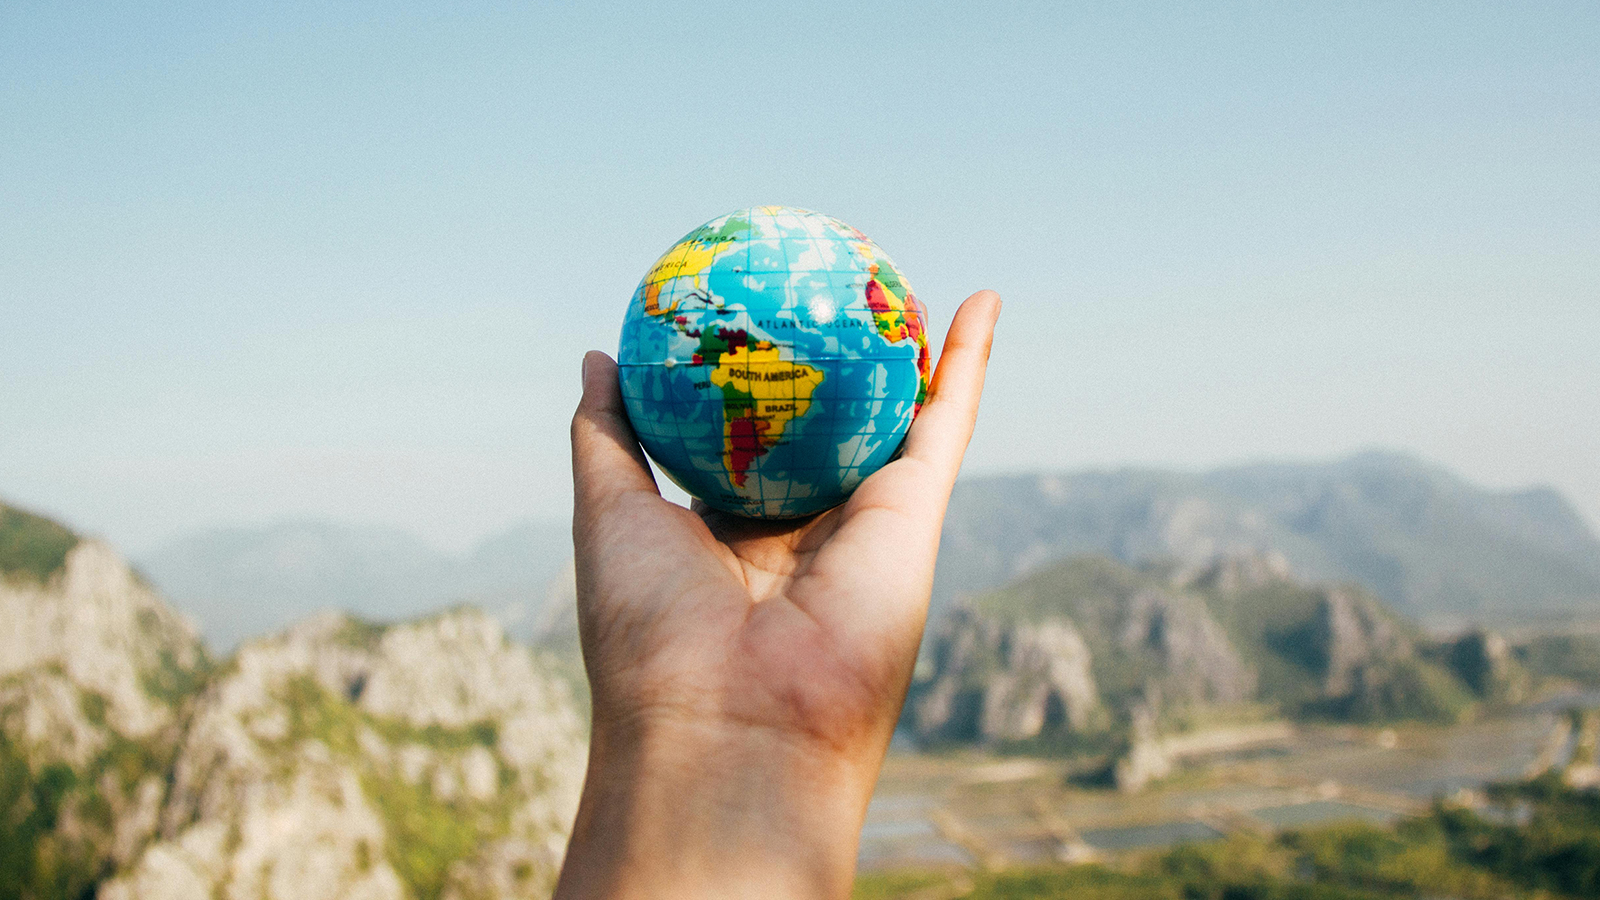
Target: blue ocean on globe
<point x="773" y="359"/>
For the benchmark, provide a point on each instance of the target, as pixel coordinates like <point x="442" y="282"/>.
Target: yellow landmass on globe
<point x="688" y="258"/>
<point x="761" y="395"/>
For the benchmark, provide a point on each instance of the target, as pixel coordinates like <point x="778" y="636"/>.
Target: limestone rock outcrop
<point x="1198" y="660"/>
<point x="1006" y="681"/>
<point x="1371" y="668"/>
<point x="97" y="625"/>
<point x="1484" y="660"/>
<point x="1353" y="637"/>
<point x="1236" y="572"/>
<point x="428" y="759"/>
<point x="1080" y="647"/>
<point x="1069" y="651"/>
<point x="95" y="676"/>
<point x="1146" y="760"/>
<point x="339" y="759"/>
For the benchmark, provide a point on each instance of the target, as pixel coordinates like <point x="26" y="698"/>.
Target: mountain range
<point x="1419" y="537"/>
<point x="1429" y="543"/>
<point x="425" y="755"/>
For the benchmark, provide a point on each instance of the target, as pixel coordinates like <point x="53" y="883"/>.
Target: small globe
<point x="772" y="360"/>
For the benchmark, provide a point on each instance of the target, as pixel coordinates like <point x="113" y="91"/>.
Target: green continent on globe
<point x="771" y="360"/>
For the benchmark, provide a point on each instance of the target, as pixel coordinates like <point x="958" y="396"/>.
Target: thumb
<point x="607" y="461"/>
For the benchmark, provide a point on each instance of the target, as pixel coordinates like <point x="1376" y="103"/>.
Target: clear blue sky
<point x="270" y="260"/>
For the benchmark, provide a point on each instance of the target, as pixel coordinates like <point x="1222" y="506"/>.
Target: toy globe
<point x="773" y="359"/>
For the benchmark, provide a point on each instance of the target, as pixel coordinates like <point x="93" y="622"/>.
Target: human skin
<point x="747" y="675"/>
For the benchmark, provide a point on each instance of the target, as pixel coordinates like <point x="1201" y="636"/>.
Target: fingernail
<point x="583" y="373"/>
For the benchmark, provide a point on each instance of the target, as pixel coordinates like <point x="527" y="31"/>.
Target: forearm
<point x="692" y="811"/>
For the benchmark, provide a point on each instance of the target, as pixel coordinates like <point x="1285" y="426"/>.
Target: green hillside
<point x="1090" y="590"/>
<point x="1550" y="850"/>
<point x="1276" y="629"/>
<point x="32" y="547"/>
<point x="1272" y="626"/>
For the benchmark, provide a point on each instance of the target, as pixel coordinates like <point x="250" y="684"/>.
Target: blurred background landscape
<point x="1273" y="571"/>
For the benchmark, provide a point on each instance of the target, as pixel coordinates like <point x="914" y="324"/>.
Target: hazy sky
<point x="271" y="260"/>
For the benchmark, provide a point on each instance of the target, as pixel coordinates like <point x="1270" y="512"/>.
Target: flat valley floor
<point x="969" y="810"/>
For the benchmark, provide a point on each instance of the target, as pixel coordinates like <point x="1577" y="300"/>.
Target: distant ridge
<point x="1418" y="536"/>
<point x="242" y="582"/>
<point x="1421" y="538"/>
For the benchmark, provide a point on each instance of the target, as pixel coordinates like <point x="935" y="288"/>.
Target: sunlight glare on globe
<point x="771" y="360"/>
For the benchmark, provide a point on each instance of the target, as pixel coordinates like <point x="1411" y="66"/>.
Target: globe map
<point x="771" y="360"/>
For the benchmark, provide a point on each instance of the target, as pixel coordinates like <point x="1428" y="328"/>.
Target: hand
<point x="747" y="675"/>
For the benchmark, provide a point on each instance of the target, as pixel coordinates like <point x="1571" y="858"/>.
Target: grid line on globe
<point x="773" y="359"/>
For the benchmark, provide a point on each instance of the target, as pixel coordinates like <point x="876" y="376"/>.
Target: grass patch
<point x="359" y="633"/>
<point x="32" y="547"/>
<point x="1450" y="852"/>
<point x="893" y="885"/>
<point x="170" y="682"/>
<point x="56" y="822"/>
<point x="427" y="834"/>
<point x="35" y="862"/>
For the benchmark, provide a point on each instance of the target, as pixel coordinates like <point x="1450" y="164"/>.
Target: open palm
<point x="743" y="639"/>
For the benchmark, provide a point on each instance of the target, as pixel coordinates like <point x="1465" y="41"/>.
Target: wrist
<point x="716" y="809"/>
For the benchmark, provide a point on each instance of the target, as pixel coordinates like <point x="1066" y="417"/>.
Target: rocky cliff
<point x="1070" y="650"/>
<point x="95" y="679"/>
<point x="427" y="759"/>
<point x="1488" y="665"/>
<point x="1006" y="681"/>
<point x="1092" y="646"/>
